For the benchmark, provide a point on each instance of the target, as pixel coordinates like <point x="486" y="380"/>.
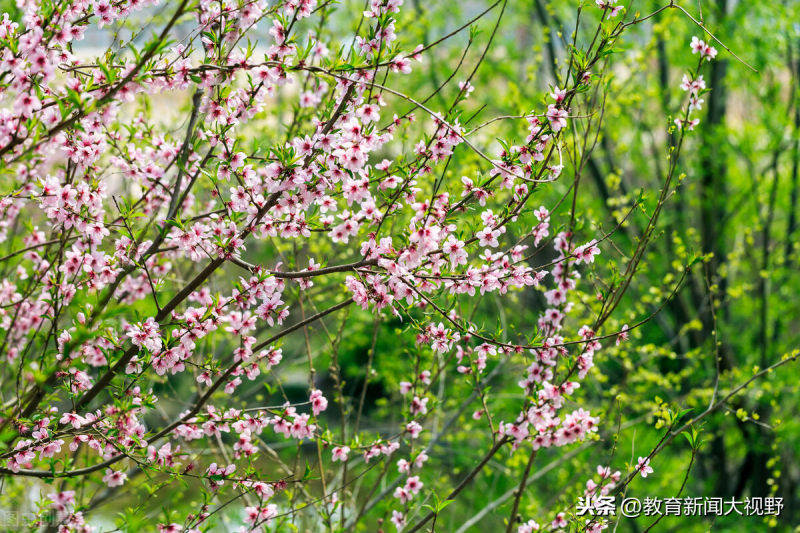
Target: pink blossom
<point x="643" y="466"/>
<point x="340" y="453"/>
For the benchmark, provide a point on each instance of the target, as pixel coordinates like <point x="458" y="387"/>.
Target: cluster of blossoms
<point x="695" y="85"/>
<point x="540" y="422"/>
<point x="128" y="290"/>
